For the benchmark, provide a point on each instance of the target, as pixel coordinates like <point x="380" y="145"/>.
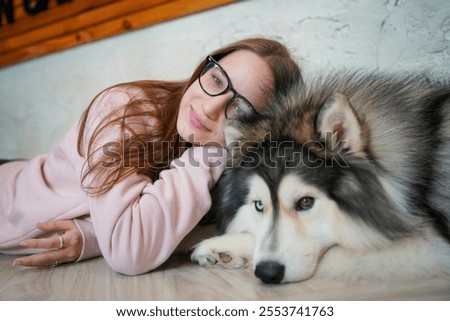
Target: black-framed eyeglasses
<point x="215" y="82"/>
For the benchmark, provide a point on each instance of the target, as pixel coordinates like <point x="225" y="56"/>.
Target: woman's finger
<point x="53" y="242"/>
<point x="55" y="226"/>
<point x="47" y="259"/>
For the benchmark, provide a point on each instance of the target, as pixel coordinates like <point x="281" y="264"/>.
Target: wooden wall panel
<point x="65" y="25"/>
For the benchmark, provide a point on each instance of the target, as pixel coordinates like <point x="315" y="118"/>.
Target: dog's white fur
<point x="322" y="241"/>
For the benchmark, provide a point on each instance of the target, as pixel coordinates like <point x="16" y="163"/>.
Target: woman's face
<point x="200" y="118"/>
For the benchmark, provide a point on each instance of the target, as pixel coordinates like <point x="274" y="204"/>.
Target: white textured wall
<point x="41" y="98"/>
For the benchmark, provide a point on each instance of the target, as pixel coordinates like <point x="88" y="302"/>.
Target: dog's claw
<point x="211" y="260"/>
<point x="225" y="257"/>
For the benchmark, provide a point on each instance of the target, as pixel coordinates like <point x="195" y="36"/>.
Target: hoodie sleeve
<point x="90" y="245"/>
<point x="139" y="223"/>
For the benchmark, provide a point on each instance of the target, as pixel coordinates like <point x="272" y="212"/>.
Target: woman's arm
<point x="138" y="222"/>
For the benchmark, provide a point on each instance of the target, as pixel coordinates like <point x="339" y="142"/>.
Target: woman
<point x="132" y="178"/>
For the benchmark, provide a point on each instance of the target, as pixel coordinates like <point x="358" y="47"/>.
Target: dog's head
<point x="305" y="183"/>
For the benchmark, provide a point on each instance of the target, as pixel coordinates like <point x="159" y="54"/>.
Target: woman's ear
<point x="337" y="124"/>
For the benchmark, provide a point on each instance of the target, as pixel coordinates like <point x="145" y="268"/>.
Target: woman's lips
<point x="195" y="121"/>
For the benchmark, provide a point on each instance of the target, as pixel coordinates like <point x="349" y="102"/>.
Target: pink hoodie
<point x="136" y="225"/>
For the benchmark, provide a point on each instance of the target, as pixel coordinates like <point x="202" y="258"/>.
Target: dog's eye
<point x="259" y="206"/>
<point x="305" y="203"/>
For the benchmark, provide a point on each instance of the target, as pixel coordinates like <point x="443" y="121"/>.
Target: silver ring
<point x="54" y="264"/>
<point x="61" y="243"/>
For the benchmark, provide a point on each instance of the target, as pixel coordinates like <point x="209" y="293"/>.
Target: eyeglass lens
<point x="215" y="82"/>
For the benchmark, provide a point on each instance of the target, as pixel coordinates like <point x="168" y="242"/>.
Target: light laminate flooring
<point x="179" y="279"/>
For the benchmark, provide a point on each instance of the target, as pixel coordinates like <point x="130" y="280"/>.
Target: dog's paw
<point x="212" y="252"/>
<point x="204" y="256"/>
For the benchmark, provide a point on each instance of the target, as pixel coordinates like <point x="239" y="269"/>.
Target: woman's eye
<point x="259" y="206"/>
<point x="217" y="81"/>
<point x="238" y="108"/>
<point x="305" y="203"/>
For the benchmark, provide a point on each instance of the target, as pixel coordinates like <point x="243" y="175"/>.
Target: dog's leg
<point x="406" y="259"/>
<point x="227" y="250"/>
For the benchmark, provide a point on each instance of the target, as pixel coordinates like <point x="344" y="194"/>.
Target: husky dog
<point x="346" y="176"/>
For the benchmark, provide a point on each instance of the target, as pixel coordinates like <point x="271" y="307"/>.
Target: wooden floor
<point x="179" y="279"/>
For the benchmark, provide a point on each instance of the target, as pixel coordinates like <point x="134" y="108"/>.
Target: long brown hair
<point x="165" y="97"/>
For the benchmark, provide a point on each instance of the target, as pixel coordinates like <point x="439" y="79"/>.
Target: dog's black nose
<point x="270" y="271"/>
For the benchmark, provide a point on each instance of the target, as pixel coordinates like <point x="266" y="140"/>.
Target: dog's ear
<point x="337" y="123"/>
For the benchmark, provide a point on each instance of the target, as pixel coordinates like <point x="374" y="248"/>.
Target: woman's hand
<point x="62" y="248"/>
